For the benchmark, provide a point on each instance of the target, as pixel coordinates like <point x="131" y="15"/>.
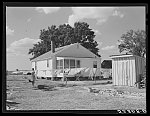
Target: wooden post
<point x="95" y="76"/>
<point x="63" y="79"/>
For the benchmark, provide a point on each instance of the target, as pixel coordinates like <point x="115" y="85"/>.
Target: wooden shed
<point x="126" y="69"/>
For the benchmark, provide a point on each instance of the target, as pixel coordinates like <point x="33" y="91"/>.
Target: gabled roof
<point x="68" y="51"/>
<point x="50" y="54"/>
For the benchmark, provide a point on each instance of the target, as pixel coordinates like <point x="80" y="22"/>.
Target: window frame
<point x="58" y="62"/>
<point x="70" y="66"/>
<point x="74" y="63"/>
<point x="65" y="67"/>
<point x="78" y="64"/>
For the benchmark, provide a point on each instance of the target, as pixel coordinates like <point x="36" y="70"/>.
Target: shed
<point x="126" y="69"/>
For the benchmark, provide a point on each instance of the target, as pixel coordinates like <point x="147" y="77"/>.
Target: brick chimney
<point x="52" y="46"/>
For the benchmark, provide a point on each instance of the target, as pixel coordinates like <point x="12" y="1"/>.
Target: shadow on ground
<point x="52" y="87"/>
<point x="104" y="83"/>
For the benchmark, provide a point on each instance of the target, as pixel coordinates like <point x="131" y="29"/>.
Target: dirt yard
<point x="74" y="96"/>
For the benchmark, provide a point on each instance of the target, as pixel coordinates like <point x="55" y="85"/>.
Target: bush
<point x="28" y="73"/>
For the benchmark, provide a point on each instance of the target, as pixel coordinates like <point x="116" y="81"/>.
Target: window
<point x="47" y="63"/>
<point x="59" y="64"/>
<point x="94" y="64"/>
<point x="78" y="64"/>
<point x="72" y="63"/>
<point x="66" y="63"/>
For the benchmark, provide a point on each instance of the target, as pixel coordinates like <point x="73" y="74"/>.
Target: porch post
<point x="63" y="78"/>
<point x="53" y="68"/>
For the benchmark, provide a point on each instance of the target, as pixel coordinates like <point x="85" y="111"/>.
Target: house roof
<point x="50" y="54"/>
<point x="61" y="51"/>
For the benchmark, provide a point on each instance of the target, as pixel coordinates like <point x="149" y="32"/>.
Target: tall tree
<point x="133" y="42"/>
<point x="65" y="35"/>
<point x="84" y="35"/>
<point x="106" y="64"/>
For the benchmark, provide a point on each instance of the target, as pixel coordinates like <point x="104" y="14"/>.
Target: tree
<point x="106" y="64"/>
<point x="133" y="42"/>
<point x="65" y="35"/>
<point x="84" y="35"/>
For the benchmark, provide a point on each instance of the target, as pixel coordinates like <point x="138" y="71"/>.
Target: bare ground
<point x="74" y="96"/>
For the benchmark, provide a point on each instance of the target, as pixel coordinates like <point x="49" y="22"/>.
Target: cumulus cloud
<point x="21" y="46"/>
<point x="99" y="44"/>
<point x="100" y="14"/>
<point x="108" y="47"/>
<point x="97" y="32"/>
<point x="9" y="31"/>
<point x="118" y="13"/>
<point x="47" y="10"/>
<point x="29" y="19"/>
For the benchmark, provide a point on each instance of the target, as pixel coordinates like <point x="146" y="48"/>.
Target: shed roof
<point x="124" y="55"/>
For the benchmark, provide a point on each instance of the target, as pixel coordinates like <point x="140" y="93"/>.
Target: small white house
<point x="126" y="69"/>
<point x="66" y="57"/>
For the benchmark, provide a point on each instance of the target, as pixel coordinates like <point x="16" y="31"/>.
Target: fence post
<point x="65" y="79"/>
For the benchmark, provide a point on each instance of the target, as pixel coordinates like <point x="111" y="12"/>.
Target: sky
<point x="23" y="25"/>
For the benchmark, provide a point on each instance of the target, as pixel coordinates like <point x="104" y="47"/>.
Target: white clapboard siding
<point x="33" y="64"/>
<point x="48" y="73"/>
<point x="41" y="73"/>
<point x="73" y="51"/>
<point x="126" y="69"/>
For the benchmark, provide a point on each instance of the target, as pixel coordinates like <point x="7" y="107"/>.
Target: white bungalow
<point x="67" y="57"/>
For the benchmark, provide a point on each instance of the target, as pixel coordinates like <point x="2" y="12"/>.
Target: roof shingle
<point x="49" y="54"/>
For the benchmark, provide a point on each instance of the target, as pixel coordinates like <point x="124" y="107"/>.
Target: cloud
<point x="47" y="10"/>
<point x="118" y="13"/>
<point x="118" y="42"/>
<point x="97" y="32"/>
<point x="9" y="31"/>
<point x="100" y="14"/>
<point x="21" y="47"/>
<point x="29" y="19"/>
<point x="108" y="47"/>
<point x="99" y="44"/>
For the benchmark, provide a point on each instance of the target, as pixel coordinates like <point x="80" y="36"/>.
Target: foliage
<point x="106" y="64"/>
<point x="65" y="35"/>
<point x="133" y="42"/>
